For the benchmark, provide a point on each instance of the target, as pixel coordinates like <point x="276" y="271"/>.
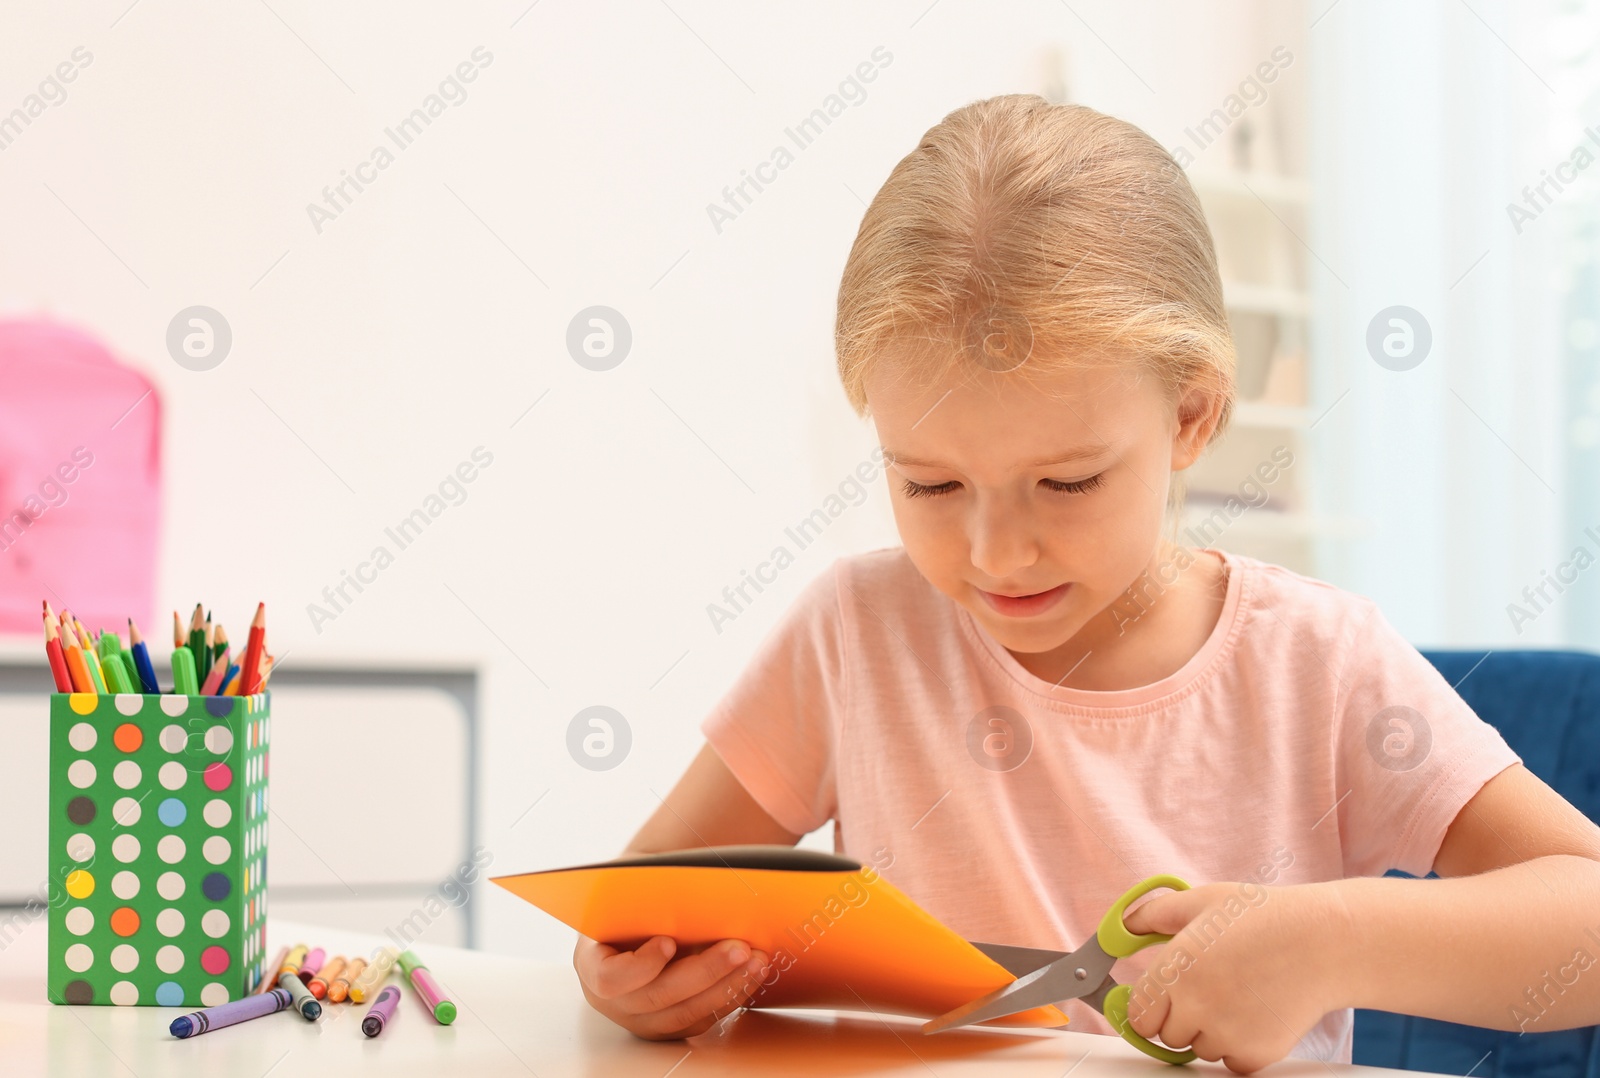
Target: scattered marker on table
<point x="310" y="965"/>
<point x="229" y="1014"/>
<point x="444" y="1011"/>
<point x="373" y="976"/>
<point x="339" y="987"/>
<point x="381" y="1011"/>
<point x="304" y="1001"/>
<point x="320" y="984"/>
<point x="273" y="969"/>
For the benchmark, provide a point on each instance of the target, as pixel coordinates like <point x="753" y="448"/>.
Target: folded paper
<point x="839" y="935"/>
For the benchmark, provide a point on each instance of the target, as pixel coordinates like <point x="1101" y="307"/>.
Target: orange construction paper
<point x="840" y="936"/>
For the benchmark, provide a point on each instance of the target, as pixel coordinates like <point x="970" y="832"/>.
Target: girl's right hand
<point x="653" y="996"/>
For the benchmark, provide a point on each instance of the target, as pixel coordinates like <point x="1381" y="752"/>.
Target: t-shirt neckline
<point x="1108" y="699"/>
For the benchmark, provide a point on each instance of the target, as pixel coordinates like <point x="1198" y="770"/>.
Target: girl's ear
<point x="1199" y="412"/>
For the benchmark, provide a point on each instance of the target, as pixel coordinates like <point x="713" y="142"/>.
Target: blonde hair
<point x="1029" y="236"/>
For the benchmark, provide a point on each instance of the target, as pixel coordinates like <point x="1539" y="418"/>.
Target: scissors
<point x="1045" y="977"/>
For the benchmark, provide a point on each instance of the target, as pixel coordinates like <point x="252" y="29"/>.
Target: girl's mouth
<point x="1024" y="606"/>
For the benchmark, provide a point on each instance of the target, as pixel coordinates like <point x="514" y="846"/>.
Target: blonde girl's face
<point x="1033" y="502"/>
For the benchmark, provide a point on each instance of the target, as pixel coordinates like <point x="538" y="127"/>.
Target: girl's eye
<point x="922" y="490"/>
<point x="1081" y="486"/>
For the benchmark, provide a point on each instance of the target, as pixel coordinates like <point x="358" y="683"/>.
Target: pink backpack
<point x="80" y="481"/>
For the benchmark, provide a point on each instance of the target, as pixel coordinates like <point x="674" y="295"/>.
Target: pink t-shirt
<point x="1016" y="812"/>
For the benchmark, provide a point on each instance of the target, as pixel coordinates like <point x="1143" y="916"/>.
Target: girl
<point x="1042" y="698"/>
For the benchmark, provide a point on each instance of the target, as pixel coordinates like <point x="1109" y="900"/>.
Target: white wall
<point x="369" y="360"/>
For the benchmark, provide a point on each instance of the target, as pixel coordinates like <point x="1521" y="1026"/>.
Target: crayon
<point x="291" y="964"/>
<point x="319" y="984"/>
<point x="197" y="640"/>
<point x="339" y="987"/>
<point x="304" y="1002"/>
<point x="184" y="682"/>
<point x="115" y="674"/>
<point x="271" y="971"/>
<point x="213" y="683"/>
<point x="230" y="1014"/>
<point x="52" y="649"/>
<point x="444" y="1012"/>
<point x="381" y="1011"/>
<point x="141" y="660"/>
<point x="309" y="966"/>
<point x="373" y="976"/>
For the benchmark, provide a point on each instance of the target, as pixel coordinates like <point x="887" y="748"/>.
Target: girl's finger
<point x="686" y="978"/>
<point x="699" y="1012"/>
<point x="618" y="973"/>
<point x="1148" y="1007"/>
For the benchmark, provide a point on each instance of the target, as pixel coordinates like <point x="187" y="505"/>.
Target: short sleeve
<point x="1410" y="753"/>
<point x="777" y="727"/>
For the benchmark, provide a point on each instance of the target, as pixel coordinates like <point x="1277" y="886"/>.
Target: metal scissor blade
<point x="1077" y="975"/>
<point x="1018" y="960"/>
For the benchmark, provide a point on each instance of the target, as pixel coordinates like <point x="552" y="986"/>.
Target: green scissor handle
<point x="1118" y="942"/>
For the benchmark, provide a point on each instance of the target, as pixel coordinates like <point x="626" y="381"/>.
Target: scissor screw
<point x="1081" y="973"/>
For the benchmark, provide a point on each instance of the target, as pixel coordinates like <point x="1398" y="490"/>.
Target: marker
<point x="108" y="643"/>
<point x="304" y="1002"/>
<point x="255" y="647"/>
<point x="141" y="660"/>
<point x="310" y="965"/>
<point x="339" y="987"/>
<point x="444" y="1012"/>
<point x="184" y="681"/>
<point x="382" y="1010"/>
<point x="373" y="976"/>
<point x="52" y="649"/>
<point x="115" y="674"/>
<point x="320" y="983"/>
<point x="230" y="1014"/>
<point x="272" y="970"/>
<point x="297" y="955"/>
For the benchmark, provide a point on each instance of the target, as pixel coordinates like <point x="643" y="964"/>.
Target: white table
<point x="523" y="1018"/>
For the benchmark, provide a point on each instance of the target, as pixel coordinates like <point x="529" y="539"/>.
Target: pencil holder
<point x="158" y="848"/>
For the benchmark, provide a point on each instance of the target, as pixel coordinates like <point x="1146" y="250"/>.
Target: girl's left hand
<point x="1248" y="971"/>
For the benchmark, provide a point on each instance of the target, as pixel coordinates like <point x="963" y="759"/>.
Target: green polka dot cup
<point x="158" y="851"/>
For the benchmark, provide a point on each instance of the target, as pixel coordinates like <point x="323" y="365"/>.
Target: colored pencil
<point x="90" y="658"/>
<point x="220" y="646"/>
<point x="255" y="648"/>
<point x="177" y="631"/>
<point x="52" y="649"/>
<point x="197" y="639"/>
<point x="269" y="979"/>
<point x="212" y="686"/>
<point x="141" y="660"/>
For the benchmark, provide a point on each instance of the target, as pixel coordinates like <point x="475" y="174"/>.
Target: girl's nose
<point x="1002" y="538"/>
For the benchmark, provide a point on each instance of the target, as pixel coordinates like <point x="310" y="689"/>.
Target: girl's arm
<point x="1511" y="940"/>
<point x="648" y="991"/>
<point x="708" y="807"/>
<point x="1505" y="942"/>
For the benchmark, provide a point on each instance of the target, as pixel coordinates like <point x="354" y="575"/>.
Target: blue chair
<point x="1546" y="704"/>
